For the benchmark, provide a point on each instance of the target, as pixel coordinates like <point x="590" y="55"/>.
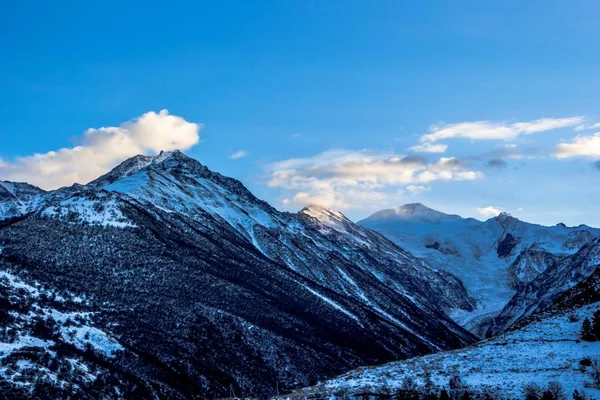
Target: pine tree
<point x="548" y="395"/>
<point x="444" y="395"/>
<point x="596" y="325"/>
<point x="577" y="395"/>
<point x="586" y="331"/>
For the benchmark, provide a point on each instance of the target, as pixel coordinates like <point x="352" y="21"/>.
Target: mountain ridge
<point x="184" y="262"/>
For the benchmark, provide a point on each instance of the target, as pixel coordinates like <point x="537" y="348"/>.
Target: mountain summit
<point x="411" y="212"/>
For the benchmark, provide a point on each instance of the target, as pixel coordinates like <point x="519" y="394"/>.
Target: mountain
<point x="540" y="293"/>
<point x="163" y="279"/>
<point x="18" y="198"/>
<point x="494" y="258"/>
<point x="544" y="348"/>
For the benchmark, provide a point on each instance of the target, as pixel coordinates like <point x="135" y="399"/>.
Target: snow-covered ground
<point x="541" y="352"/>
<point x="102" y="210"/>
<point x="25" y="347"/>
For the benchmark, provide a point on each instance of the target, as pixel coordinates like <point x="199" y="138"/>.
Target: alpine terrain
<point x="509" y="266"/>
<point x="163" y="279"/>
<point x="544" y="354"/>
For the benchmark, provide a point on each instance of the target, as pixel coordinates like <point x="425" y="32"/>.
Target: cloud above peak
<point x="103" y="148"/>
<point x="489" y="212"/>
<point x="487" y="130"/>
<point x="344" y="179"/>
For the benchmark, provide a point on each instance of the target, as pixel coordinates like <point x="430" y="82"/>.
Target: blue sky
<point x="325" y="98"/>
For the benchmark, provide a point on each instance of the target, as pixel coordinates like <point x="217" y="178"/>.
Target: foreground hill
<point x="495" y="259"/>
<point x="203" y="290"/>
<point x="545" y="348"/>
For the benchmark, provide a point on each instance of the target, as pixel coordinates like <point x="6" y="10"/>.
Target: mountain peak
<point x="322" y="213"/>
<point x="505" y="217"/>
<point x="412" y="212"/>
<point x="415" y="208"/>
<point x="134" y="164"/>
<point x="325" y="216"/>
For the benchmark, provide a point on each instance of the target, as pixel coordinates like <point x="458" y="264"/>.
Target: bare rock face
<point x="548" y="286"/>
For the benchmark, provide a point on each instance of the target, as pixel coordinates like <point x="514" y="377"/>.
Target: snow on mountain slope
<point x="47" y="340"/>
<point x="17" y="198"/>
<point x="493" y="258"/>
<point x="211" y="288"/>
<point x="99" y="208"/>
<point x="176" y="183"/>
<point x="548" y="350"/>
<point x="541" y="292"/>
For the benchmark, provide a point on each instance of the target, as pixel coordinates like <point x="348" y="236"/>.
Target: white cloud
<point x="580" y="128"/>
<point x="103" y="148"/>
<point x="345" y="179"/>
<point x="416" y="189"/>
<point x="430" y="148"/>
<point x="238" y="155"/>
<point x="580" y="146"/>
<point x="487" y="130"/>
<point x="489" y="212"/>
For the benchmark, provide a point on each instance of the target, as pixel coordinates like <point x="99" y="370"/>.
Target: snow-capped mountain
<point x="210" y="290"/>
<point x="544" y="351"/>
<point x="493" y="258"/>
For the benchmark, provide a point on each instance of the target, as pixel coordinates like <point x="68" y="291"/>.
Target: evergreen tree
<point x="548" y="395"/>
<point x="430" y="396"/>
<point x="596" y="324"/>
<point x="444" y="395"/>
<point x="586" y="331"/>
<point x="577" y="395"/>
<point x="532" y="392"/>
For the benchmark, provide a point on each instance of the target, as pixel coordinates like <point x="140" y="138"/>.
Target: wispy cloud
<point x="238" y="155"/>
<point x="429" y="148"/>
<point x="103" y="148"/>
<point x="344" y="179"/>
<point x="580" y="128"/>
<point x="416" y="189"/>
<point x="488" y="130"/>
<point x="580" y="146"/>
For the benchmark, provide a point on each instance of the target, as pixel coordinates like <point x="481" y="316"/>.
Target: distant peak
<point x="412" y="212"/>
<point x="414" y="208"/>
<point x="504" y="216"/>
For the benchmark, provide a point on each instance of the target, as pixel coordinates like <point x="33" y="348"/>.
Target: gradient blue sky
<point x="344" y="88"/>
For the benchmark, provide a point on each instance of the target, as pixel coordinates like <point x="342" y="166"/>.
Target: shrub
<point x="532" y="392"/>
<point x="557" y="390"/>
<point x="596" y="372"/>
<point x="573" y="317"/>
<point x="586" y="331"/>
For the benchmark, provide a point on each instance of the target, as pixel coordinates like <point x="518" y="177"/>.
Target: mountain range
<point x="164" y="279"/>
<point x="498" y="260"/>
<point x="194" y="287"/>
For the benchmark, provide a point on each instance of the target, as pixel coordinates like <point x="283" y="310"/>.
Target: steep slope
<point x="544" y="349"/>
<point x="18" y="198"/>
<point x="492" y="258"/>
<point x="51" y="347"/>
<point x="211" y="290"/>
<point x="540" y="293"/>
